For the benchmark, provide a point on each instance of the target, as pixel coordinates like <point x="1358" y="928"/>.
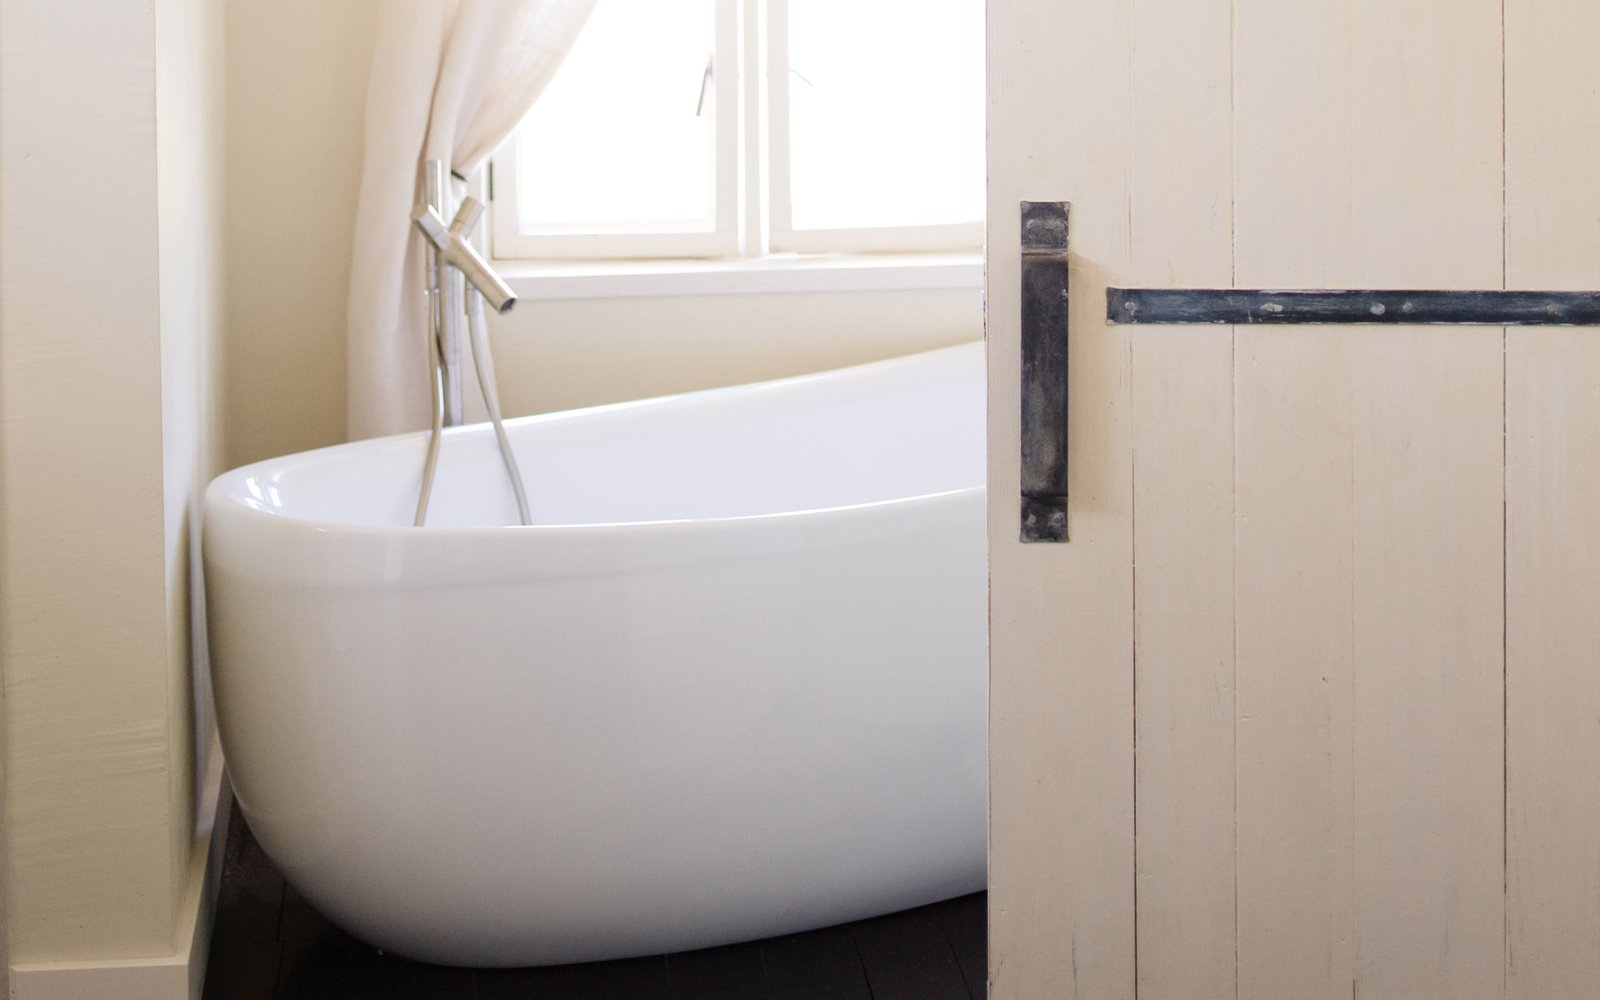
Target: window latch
<point x="705" y="80"/>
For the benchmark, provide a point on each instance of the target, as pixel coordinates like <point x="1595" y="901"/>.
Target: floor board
<point x="527" y="984"/>
<point x="270" y="943"/>
<point x="731" y="973"/>
<point x="245" y="950"/>
<point x="338" y="967"/>
<point x="966" y="925"/>
<point x="908" y="956"/>
<point x="817" y="965"/>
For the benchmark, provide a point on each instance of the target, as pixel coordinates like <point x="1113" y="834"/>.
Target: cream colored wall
<point x="108" y="320"/>
<point x="296" y="87"/>
<point x="297" y="74"/>
<point x="563" y="353"/>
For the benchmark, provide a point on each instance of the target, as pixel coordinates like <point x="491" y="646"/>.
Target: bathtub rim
<point x="235" y="508"/>
<point x="225" y="492"/>
<point x="238" y="540"/>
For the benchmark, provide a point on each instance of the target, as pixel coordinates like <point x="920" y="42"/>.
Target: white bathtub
<point x="731" y="685"/>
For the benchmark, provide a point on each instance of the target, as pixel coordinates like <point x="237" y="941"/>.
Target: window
<point x="741" y="128"/>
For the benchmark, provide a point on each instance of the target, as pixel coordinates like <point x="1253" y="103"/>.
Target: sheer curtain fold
<point x="450" y="80"/>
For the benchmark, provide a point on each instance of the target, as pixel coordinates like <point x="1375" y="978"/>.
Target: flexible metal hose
<point x="484" y="362"/>
<point x="431" y="464"/>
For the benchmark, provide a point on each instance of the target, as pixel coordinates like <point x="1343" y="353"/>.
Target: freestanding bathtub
<point x="731" y="684"/>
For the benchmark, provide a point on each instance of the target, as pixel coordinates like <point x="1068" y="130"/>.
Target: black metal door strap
<point x="1247" y="307"/>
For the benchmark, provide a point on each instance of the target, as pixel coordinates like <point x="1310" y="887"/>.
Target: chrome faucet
<point x="450" y="255"/>
<point x="454" y="250"/>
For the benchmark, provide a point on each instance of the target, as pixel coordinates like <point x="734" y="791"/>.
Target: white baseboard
<point x="180" y="976"/>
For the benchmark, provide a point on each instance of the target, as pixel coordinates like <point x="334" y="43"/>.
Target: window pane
<point x="886" y="112"/>
<point x="615" y="143"/>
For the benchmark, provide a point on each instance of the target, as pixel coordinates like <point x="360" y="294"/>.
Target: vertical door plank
<point x="1428" y="492"/>
<point x="1552" y="496"/>
<point x="1061" y="678"/>
<point x="1183" y="412"/>
<point x="1429" y="815"/>
<point x="1182" y="219"/>
<point x="1553" y="663"/>
<point x="1295" y="656"/>
<point x="1295" y="666"/>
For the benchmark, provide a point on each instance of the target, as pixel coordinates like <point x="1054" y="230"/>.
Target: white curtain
<point x="450" y="80"/>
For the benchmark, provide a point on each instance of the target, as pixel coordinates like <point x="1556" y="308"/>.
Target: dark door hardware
<point x="1044" y="371"/>
<point x="1045" y="337"/>
<point x="1246" y="307"/>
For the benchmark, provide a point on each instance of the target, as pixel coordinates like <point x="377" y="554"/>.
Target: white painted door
<point x="1309" y="707"/>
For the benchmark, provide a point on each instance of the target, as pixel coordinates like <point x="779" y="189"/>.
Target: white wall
<point x="189" y="104"/>
<point x="297" y="74"/>
<point x="109" y="284"/>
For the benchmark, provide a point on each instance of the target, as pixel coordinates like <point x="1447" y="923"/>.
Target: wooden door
<point x="1309" y="707"/>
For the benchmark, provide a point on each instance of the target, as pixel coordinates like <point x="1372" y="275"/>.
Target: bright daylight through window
<point x="741" y="128"/>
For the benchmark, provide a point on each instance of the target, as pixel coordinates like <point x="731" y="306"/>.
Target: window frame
<point x="783" y="237"/>
<point x="753" y="208"/>
<point x="510" y="242"/>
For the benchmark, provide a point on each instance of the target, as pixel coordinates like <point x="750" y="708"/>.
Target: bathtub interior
<point x="901" y="428"/>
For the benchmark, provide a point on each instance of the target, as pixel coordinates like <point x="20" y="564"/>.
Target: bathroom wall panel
<point x="89" y="837"/>
<point x="1061" y="683"/>
<point x="1552" y="495"/>
<point x="1181" y="215"/>
<point x="108" y="283"/>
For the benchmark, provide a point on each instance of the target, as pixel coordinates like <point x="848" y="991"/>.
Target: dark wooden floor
<point x="269" y="944"/>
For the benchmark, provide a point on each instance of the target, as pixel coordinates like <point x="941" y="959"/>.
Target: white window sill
<point x="755" y="276"/>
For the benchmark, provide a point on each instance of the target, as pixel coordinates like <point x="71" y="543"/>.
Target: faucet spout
<point x="451" y="242"/>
